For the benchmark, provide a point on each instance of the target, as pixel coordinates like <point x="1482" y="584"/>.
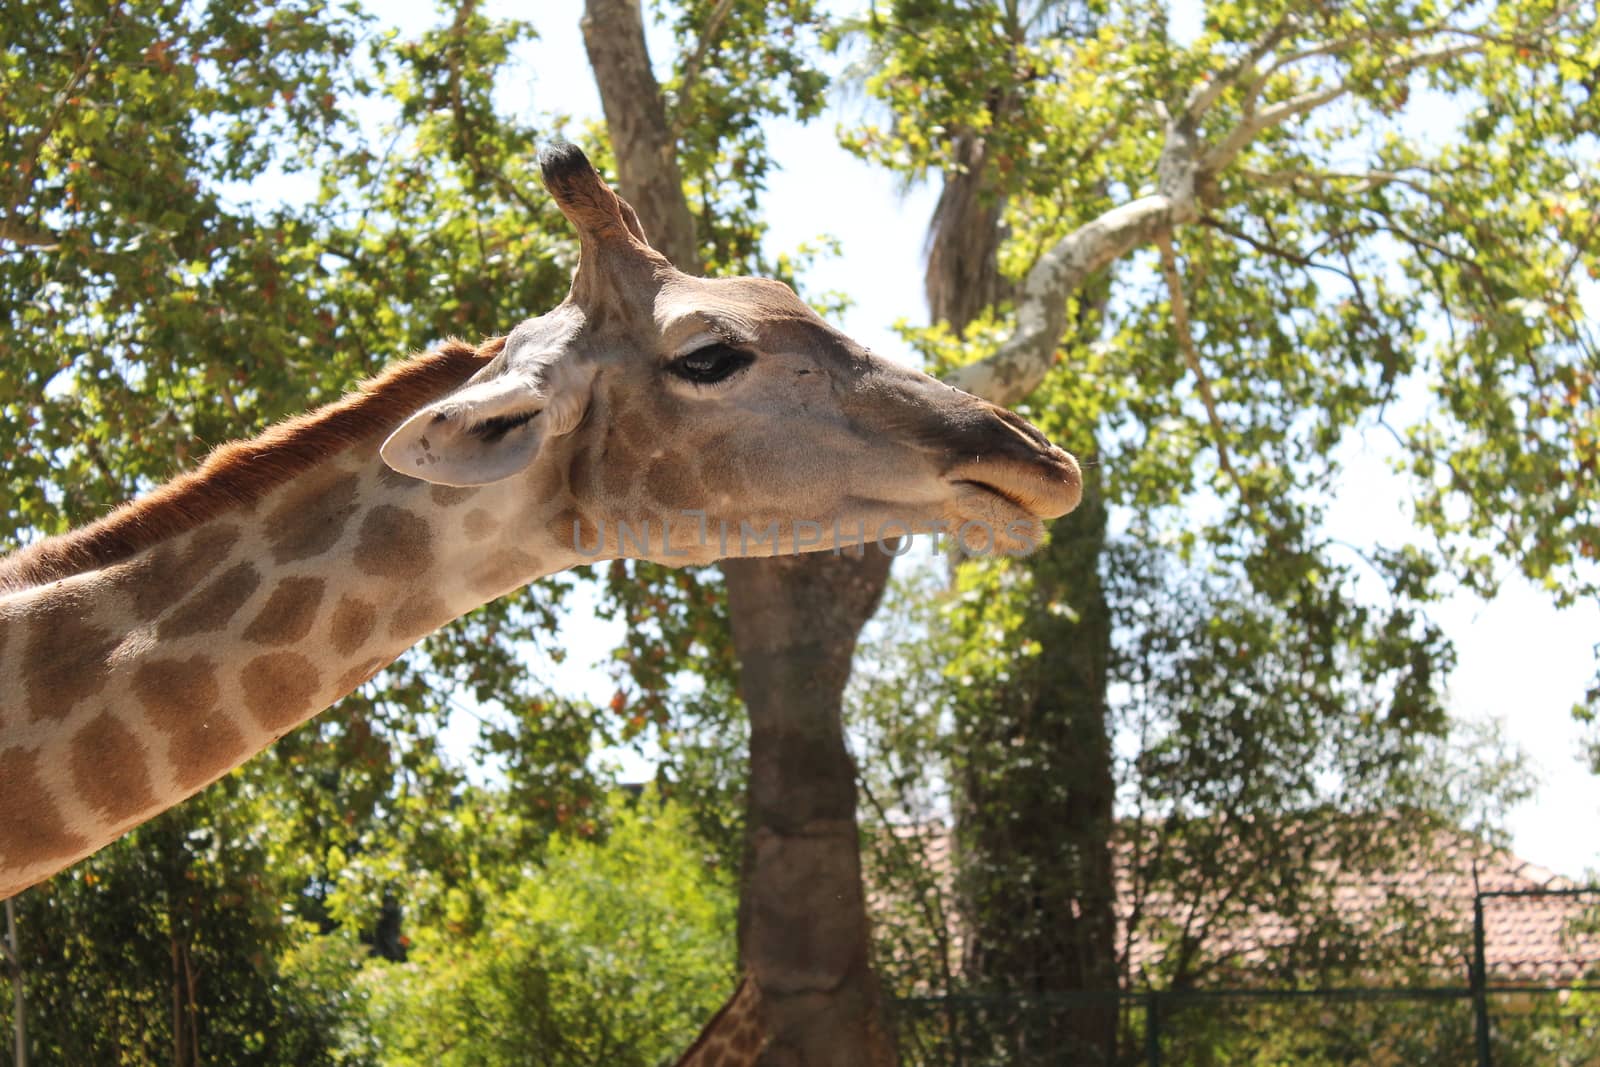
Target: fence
<point x="1482" y="1022"/>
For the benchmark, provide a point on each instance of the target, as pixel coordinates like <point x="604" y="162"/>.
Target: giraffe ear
<point x="486" y="431"/>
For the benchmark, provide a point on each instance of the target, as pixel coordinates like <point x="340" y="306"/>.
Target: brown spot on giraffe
<point x="549" y="482"/>
<point x="212" y="607"/>
<point x="173" y="689"/>
<point x="353" y="621"/>
<point x="280" y="689"/>
<point x="448" y="496"/>
<point x="567" y="521"/>
<point x="311" y="520"/>
<point x="209" y="748"/>
<point x="720" y="464"/>
<point x="621" y="471"/>
<point x="581" y="473"/>
<point x="65" y="658"/>
<point x="158" y="579"/>
<point x="356" y="677"/>
<point x="417" y="616"/>
<point x="394" y="543"/>
<point x="180" y="697"/>
<point x="479" y="524"/>
<point x="289" y="612"/>
<point x="501" y="571"/>
<point x="670" y="485"/>
<point x="31" y="828"/>
<point x="110" y="768"/>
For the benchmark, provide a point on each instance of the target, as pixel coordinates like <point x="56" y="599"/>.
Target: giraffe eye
<point x="712" y="364"/>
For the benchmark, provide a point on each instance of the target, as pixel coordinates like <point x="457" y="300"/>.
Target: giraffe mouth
<point x="1047" y="487"/>
<point x="999" y="505"/>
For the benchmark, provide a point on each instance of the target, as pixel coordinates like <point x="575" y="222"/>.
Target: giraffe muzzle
<point x="1011" y="459"/>
<point x="1045" y="489"/>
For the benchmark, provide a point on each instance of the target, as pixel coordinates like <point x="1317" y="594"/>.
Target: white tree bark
<point x="1020" y="364"/>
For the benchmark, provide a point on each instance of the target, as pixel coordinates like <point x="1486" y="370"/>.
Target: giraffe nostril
<point x="1020" y="426"/>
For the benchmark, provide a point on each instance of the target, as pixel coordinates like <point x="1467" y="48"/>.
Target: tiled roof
<point x="1535" y="940"/>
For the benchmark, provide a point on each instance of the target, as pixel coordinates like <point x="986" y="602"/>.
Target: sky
<point x="1521" y="661"/>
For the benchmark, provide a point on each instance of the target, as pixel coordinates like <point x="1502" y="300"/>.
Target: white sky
<point x="1520" y="659"/>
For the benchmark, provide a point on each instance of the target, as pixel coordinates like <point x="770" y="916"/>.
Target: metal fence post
<point x="1480" y="980"/>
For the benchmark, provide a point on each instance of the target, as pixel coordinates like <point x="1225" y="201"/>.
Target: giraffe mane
<point x="239" y="473"/>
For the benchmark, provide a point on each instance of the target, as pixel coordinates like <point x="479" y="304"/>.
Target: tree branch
<point x="645" y="147"/>
<point x="1256" y="123"/>
<point x="26" y="237"/>
<point x="1180" y="329"/>
<point x="1016" y="368"/>
<point x="691" y="68"/>
<point x="30" y="154"/>
<point x="1268" y="248"/>
<point x="1532" y="38"/>
<point x="1290" y="179"/>
<point x="1201" y="99"/>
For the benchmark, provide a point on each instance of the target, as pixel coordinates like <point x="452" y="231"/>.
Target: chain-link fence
<point x="1482" y="1022"/>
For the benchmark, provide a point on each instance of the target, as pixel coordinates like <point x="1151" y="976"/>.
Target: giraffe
<point x="735" y="1036"/>
<point x="650" y="415"/>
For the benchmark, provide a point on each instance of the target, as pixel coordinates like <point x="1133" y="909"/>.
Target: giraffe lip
<point x="995" y="490"/>
<point x="1045" y="487"/>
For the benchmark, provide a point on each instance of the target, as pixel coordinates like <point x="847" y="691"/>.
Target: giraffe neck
<point x="735" y="1036"/>
<point x="127" y="687"/>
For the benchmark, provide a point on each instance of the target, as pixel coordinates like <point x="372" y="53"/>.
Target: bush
<point x="611" y="952"/>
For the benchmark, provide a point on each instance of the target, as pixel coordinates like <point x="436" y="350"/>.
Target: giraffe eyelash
<point x="712" y="364"/>
<point x="492" y="429"/>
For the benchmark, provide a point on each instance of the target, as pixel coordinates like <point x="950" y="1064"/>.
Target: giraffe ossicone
<point x="147" y="654"/>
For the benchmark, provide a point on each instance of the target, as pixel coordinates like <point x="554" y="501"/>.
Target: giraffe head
<point x="713" y="412"/>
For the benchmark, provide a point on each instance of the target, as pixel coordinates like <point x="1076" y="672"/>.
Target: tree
<point x="1233" y="805"/>
<point x="172" y="950"/>
<point x="613" y="950"/>
<point x="1118" y="143"/>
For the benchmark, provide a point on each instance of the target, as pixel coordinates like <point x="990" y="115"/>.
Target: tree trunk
<point x="802" y="917"/>
<point x="962" y="277"/>
<point x="803" y="923"/>
<point x="1035" y="811"/>
<point x="636" y="117"/>
<point x="1035" y="788"/>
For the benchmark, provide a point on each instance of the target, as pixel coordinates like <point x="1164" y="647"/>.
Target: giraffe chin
<point x="987" y="521"/>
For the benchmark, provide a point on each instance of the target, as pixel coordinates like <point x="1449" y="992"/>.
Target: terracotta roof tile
<point x="1527" y="940"/>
